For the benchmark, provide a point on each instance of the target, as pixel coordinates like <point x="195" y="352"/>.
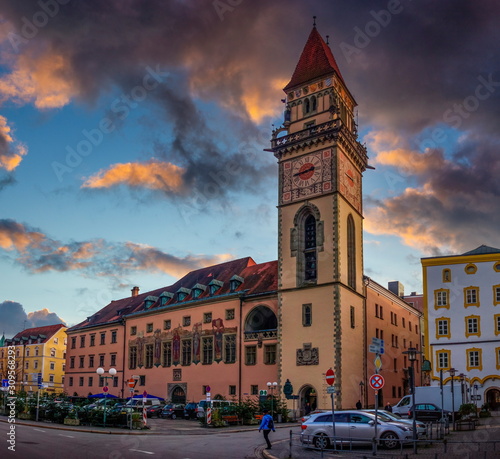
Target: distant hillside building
<point x="462" y="310"/>
<point x="37" y="350"/>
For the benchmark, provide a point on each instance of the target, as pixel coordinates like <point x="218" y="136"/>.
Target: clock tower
<point x="321" y="293"/>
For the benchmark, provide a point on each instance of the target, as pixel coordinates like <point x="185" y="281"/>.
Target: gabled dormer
<point x="214" y="286"/>
<point x="165" y="297"/>
<point x="182" y="293"/>
<point x="149" y="301"/>
<point x="198" y="289"/>
<point x="235" y="282"/>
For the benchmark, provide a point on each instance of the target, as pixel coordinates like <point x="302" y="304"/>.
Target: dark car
<point x="172" y="411"/>
<point x="154" y="410"/>
<point x="190" y="410"/>
<point x="427" y="412"/>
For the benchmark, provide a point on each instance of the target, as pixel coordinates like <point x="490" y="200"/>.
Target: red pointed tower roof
<point x="315" y="61"/>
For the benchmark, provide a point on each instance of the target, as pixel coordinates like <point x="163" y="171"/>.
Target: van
<point x="213" y="404"/>
<point x="149" y="402"/>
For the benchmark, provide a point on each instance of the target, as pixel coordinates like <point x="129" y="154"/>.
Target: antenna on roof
<point x="328" y="39"/>
<point x="314" y="21"/>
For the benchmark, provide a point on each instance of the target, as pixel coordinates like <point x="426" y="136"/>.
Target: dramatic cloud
<point x="15" y="319"/>
<point x="38" y="253"/>
<point x="11" y="152"/>
<point x="453" y="208"/>
<point x="154" y="175"/>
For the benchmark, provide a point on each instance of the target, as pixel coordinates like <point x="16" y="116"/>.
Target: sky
<point x="132" y="137"/>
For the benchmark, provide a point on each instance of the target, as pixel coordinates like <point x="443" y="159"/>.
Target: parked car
<point x="190" y="410"/>
<point x="172" y="411"/>
<point x="352" y="426"/>
<point x="391" y="417"/>
<point x="214" y="405"/>
<point x="428" y="412"/>
<point x="154" y="410"/>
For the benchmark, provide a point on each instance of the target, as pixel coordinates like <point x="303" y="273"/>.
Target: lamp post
<point x="452" y="372"/>
<point x="412" y="356"/>
<point x="361" y="387"/>
<point x="461" y="376"/>
<point x="100" y="371"/>
<point x="271" y="387"/>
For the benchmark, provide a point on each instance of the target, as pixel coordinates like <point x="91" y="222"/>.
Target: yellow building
<point x="40" y="350"/>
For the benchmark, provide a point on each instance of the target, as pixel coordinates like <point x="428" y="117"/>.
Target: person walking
<point x="388" y="407"/>
<point x="358" y="405"/>
<point x="266" y="425"/>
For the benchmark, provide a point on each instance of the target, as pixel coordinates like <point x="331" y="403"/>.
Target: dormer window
<point x="165" y="297"/>
<point x="198" y="289"/>
<point x="235" y="282"/>
<point x="182" y="293"/>
<point x="149" y="301"/>
<point x="214" y="286"/>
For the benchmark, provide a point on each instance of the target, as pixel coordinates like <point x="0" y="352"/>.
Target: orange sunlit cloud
<point x="11" y="154"/>
<point x="154" y="175"/>
<point x="14" y="235"/>
<point x="45" y="81"/>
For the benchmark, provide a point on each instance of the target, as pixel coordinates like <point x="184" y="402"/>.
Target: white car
<point x="391" y="417"/>
<point x="354" y="427"/>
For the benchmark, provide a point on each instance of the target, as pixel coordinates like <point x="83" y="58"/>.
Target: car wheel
<point x="321" y="441"/>
<point x="173" y="416"/>
<point x="390" y="440"/>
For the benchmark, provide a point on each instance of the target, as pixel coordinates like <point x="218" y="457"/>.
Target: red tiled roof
<point x="258" y="278"/>
<point x="315" y="61"/>
<point x="48" y="331"/>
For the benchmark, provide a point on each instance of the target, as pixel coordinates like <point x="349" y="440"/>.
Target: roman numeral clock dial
<point x="306" y="171"/>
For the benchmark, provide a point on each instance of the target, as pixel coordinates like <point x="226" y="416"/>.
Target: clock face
<point x="306" y="171"/>
<point x="350" y="182"/>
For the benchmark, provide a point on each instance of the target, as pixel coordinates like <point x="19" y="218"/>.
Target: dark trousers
<point x="266" y="436"/>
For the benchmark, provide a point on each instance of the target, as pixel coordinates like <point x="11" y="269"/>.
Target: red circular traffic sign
<point x="377" y="382"/>
<point x="105" y="389"/>
<point x="330" y="376"/>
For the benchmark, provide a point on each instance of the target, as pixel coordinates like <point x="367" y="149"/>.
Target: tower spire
<point x="314" y="21"/>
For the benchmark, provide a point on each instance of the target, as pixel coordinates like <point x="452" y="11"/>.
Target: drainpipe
<point x="240" y="349"/>
<point x="124" y="356"/>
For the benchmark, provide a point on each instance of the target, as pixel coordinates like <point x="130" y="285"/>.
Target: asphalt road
<point x="51" y="443"/>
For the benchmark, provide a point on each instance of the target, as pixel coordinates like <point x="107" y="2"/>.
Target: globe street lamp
<point x="271" y="387"/>
<point x="461" y="376"/>
<point x="452" y="372"/>
<point x="100" y="371"/>
<point x="412" y="356"/>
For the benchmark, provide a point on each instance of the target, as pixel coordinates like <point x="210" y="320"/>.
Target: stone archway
<point x="492" y="398"/>
<point x="177" y="393"/>
<point x="308" y="400"/>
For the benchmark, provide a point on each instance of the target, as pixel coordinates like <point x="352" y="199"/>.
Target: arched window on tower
<point x="310" y="272"/>
<point x="307" y="106"/>
<point x="314" y="103"/>
<point x="351" y="252"/>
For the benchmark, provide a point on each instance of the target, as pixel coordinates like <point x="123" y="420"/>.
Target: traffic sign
<point x="378" y="341"/>
<point x="373" y="348"/>
<point x="131" y="383"/>
<point x="330" y="390"/>
<point x="105" y="389"/>
<point x="377" y="382"/>
<point x="378" y="362"/>
<point x="330" y="376"/>
<point x="5" y="383"/>
<point x="207" y="389"/>
<point x="263" y="392"/>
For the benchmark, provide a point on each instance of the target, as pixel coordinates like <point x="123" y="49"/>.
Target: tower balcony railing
<point x="305" y="133"/>
<point x="261" y="335"/>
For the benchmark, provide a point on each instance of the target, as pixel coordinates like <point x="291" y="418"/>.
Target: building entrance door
<point x="178" y="395"/>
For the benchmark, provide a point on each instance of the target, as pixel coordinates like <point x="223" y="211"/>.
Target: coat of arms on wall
<point x="308" y="355"/>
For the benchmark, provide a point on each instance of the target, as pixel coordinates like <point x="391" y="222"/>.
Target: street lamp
<point x="271" y="387"/>
<point x="100" y="371"/>
<point x="412" y="356"/>
<point x="452" y="372"/>
<point x="461" y="376"/>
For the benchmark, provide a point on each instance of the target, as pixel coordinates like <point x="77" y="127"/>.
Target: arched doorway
<point x="492" y="398"/>
<point x="308" y="400"/>
<point x="178" y="395"/>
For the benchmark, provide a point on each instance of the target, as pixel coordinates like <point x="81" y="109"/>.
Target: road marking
<point x="39" y="430"/>
<point x="69" y="436"/>
<point x="139" y="451"/>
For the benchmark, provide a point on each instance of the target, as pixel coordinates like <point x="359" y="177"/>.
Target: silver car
<point x="391" y="417"/>
<point x="354" y="427"/>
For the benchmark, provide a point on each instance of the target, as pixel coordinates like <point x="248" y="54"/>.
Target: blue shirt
<point x="264" y="423"/>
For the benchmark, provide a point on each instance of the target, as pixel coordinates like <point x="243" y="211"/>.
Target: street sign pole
<point x="330" y="379"/>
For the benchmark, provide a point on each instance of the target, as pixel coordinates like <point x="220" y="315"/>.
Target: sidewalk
<point x="475" y="444"/>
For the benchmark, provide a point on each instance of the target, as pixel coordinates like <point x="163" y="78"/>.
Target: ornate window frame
<point x="446" y="275"/>
<point x="470" y="268"/>
<point x="437" y="292"/>
<point x="478" y="322"/>
<point x="446" y="352"/>
<point x="480" y="358"/>
<point x="443" y="335"/>
<point x="496" y="294"/>
<point x="496" y="321"/>
<point x="470" y="289"/>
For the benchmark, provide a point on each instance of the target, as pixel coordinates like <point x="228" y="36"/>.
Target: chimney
<point x="135" y="291"/>
<point x="397" y="288"/>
